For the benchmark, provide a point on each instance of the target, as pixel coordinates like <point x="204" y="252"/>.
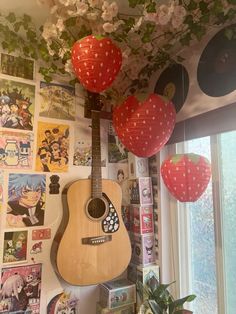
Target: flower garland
<point x="150" y="34"/>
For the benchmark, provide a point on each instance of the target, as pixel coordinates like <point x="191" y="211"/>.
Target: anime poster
<point x="15" y="246"/>
<point x="1" y="188"/>
<point x="17" y="66"/>
<point x="63" y="303"/>
<point x="16" y="150"/>
<point x="57" y="101"/>
<point x="16" y="105"/>
<point x="83" y="144"/>
<point x="52" y="147"/>
<point x="20" y="289"/>
<point x="116" y="150"/>
<point x="26" y="200"/>
<point x="119" y="172"/>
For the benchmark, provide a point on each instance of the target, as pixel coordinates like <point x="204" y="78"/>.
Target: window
<point x="206" y="230"/>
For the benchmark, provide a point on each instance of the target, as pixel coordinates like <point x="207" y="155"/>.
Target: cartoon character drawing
<point x="12" y="153"/>
<point x="24" y="153"/>
<point x="26" y="200"/>
<point x="15" y="107"/>
<point x="36" y="248"/>
<point x="53" y="148"/>
<point x="13" y="288"/>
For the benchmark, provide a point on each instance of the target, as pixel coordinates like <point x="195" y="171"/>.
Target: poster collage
<point x="33" y="142"/>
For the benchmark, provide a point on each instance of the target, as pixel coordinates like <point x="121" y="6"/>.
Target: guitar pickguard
<point x="111" y="223"/>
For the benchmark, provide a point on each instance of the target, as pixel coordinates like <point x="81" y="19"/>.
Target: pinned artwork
<point x="15" y="246"/>
<point x="63" y="303"/>
<point x="1" y="188"/>
<point x="116" y="150"/>
<point x="83" y="144"/>
<point x="57" y="101"/>
<point x="16" y="150"/>
<point x="36" y="248"/>
<point x="26" y="200"/>
<point x="54" y="186"/>
<point x="41" y="234"/>
<point x="17" y="66"/>
<point x="119" y="172"/>
<point x="20" y="289"/>
<point x="52" y="147"/>
<point x="16" y="105"/>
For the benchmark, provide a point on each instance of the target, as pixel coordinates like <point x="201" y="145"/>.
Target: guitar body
<point x="91" y="250"/>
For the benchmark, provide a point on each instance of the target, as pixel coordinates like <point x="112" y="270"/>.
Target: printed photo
<point x="16" y="150"/>
<point x="15" y="246"/>
<point x="17" y="101"/>
<point x="26" y="200"/>
<point x="52" y="147"/>
<point x="17" y="66"/>
<point x="119" y="172"/>
<point x="57" y="101"/>
<point x="83" y="144"/>
<point x="116" y="150"/>
<point x="63" y="303"/>
<point x="1" y="189"/>
<point x="21" y="289"/>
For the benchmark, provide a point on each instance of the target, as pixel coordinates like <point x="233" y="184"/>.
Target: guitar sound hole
<point x="96" y="208"/>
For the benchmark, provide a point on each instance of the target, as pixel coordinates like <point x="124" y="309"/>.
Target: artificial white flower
<point x="82" y="8"/>
<point x="95" y="3"/>
<point x="93" y="16"/>
<point x="107" y="16"/>
<point x="137" y="24"/>
<point x="179" y="14"/>
<point x="68" y="66"/>
<point x="105" y="5"/>
<point x="163" y="14"/>
<point x="54" y="9"/>
<point x="126" y="53"/>
<point x="180" y="11"/>
<point x="67" y="2"/>
<point x="113" y="8"/>
<point x="109" y="11"/>
<point x="61" y="53"/>
<point x="109" y="27"/>
<point x="49" y="30"/>
<point x="60" y="25"/>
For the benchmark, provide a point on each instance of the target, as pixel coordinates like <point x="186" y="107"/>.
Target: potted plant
<point x="156" y="299"/>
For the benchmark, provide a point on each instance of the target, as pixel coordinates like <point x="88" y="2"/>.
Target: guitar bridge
<point x="96" y="240"/>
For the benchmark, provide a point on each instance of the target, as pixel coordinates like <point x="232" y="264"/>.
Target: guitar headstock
<point x="92" y="102"/>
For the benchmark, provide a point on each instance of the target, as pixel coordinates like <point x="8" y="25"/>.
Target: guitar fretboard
<point x="96" y="176"/>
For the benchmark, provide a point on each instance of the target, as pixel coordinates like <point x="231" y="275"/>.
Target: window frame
<point x="174" y="222"/>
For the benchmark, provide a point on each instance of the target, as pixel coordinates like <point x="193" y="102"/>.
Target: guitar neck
<point x="96" y="176"/>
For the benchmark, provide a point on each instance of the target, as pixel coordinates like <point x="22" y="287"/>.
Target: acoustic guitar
<point x="92" y="244"/>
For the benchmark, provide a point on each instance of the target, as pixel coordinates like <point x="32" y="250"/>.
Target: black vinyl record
<point x="216" y="73"/>
<point x="173" y="83"/>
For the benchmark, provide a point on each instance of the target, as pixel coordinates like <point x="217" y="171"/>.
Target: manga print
<point x="52" y="147"/>
<point x="26" y="200"/>
<point x="15" y="246"/>
<point x="15" y="150"/>
<point x="16" y="105"/>
<point x="20" y="290"/>
<point x="58" y="101"/>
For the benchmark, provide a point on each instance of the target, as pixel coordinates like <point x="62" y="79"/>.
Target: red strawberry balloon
<point x="186" y="176"/>
<point x="144" y="124"/>
<point x="96" y="62"/>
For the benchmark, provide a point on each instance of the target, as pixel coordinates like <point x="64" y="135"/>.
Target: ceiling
<point x="30" y="7"/>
